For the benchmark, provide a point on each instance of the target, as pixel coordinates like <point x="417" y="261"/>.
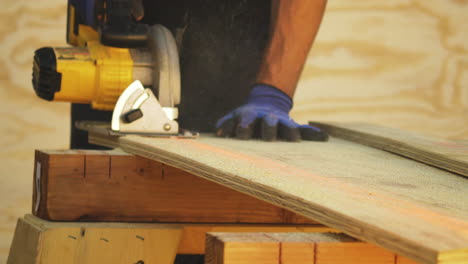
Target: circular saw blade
<point x="166" y="73"/>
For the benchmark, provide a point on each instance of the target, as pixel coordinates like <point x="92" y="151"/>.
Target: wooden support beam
<point x="293" y="248"/>
<point x="193" y="236"/>
<point x="76" y="185"/>
<point x="352" y="253"/>
<point x="404" y="260"/>
<point x="41" y="241"/>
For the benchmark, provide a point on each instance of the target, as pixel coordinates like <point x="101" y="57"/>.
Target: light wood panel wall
<point x="402" y="63"/>
<point x="399" y="63"/>
<point x="26" y="122"/>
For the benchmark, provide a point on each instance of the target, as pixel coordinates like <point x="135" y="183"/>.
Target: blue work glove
<point x="266" y="116"/>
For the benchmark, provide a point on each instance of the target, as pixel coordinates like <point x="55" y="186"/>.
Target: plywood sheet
<point x="407" y="207"/>
<point x="446" y="154"/>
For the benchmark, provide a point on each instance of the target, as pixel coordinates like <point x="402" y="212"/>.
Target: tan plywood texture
<point x="447" y="154"/>
<point x="408" y="207"/>
<point x="402" y="63"/>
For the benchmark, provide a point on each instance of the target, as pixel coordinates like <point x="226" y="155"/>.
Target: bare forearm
<point x="294" y="25"/>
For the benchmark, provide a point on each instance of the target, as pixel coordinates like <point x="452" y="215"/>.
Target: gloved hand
<point x="266" y="116"/>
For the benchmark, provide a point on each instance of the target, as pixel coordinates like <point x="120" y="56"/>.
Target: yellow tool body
<point x="95" y="74"/>
<point x="102" y="63"/>
<point x="92" y="73"/>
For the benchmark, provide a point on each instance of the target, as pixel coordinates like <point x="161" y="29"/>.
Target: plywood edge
<point x="374" y="136"/>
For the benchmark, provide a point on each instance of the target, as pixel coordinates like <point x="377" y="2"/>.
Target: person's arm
<point x="294" y="25"/>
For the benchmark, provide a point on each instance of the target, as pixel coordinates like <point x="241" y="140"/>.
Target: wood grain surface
<point x="37" y="241"/>
<point x="105" y="186"/>
<point x="403" y="205"/>
<point x="26" y="122"/>
<point x="446" y="154"/>
<point x="292" y="248"/>
<point x="402" y="63"/>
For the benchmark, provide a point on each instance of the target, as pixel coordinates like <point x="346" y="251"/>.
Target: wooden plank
<point x="193" y="236"/>
<point x="292" y="248"/>
<point x="37" y="241"/>
<point x="407" y="207"/>
<point x="297" y="253"/>
<point x="115" y="186"/>
<point x="403" y="260"/>
<point x="301" y="248"/>
<point x="31" y="232"/>
<point x="241" y="248"/>
<point x="23" y="249"/>
<point x="352" y="253"/>
<point x="446" y="154"/>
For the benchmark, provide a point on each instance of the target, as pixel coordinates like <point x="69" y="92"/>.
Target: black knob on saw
<point x="132" y="115"/>
<point x="45" y="78"/>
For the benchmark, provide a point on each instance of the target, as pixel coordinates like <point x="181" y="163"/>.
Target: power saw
<point x="110" y="52"/>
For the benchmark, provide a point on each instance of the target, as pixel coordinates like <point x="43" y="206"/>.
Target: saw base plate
<point x="104" y="127"/>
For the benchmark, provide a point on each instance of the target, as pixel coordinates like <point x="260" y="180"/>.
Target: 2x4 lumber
<point x="292" y="248"/>
<point x="359" y="253"/>
<point x="73" y="185"/>
<point x="193" y="236"/>
<point x="28" y="244"/>
<point x="403" y="260"/>
<point x="416" y="210"/>
<point x="40" y="242"/>
<point x="446" y="154"/>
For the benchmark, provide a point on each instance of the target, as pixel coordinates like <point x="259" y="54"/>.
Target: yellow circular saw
<point x="92" y="73"/>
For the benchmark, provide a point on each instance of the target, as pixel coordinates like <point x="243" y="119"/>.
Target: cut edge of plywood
<point x="419" y="148"/>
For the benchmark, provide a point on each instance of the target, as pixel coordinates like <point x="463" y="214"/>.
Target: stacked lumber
<point x="294" y="248"/>
<point x="38" y="241"/>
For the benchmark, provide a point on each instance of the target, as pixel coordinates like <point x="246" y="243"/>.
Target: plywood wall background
<point x="401" y="63"/>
